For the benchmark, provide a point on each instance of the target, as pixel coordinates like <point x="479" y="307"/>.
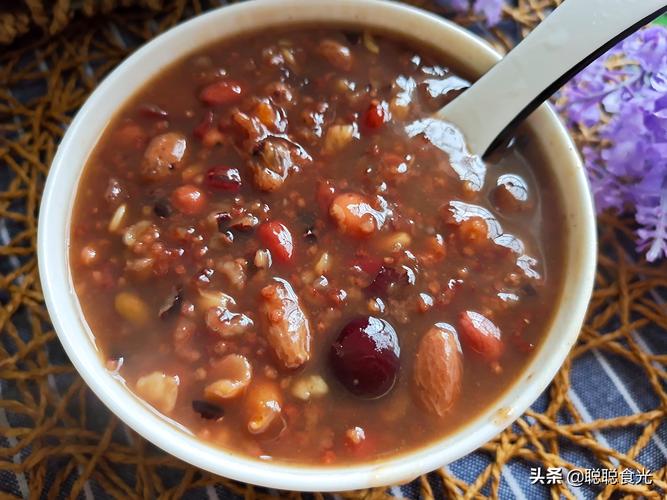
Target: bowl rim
<point x="76" y="337"/>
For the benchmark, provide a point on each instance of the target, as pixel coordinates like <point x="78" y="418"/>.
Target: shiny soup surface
<point x="275" y="248"/>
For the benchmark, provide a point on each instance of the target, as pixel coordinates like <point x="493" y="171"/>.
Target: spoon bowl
<point x="464" y="50"/>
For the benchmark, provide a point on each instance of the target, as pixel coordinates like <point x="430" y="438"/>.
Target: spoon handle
<point x="569" y="39"/>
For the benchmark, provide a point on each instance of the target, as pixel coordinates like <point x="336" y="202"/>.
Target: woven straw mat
<point x="605" y="409"/>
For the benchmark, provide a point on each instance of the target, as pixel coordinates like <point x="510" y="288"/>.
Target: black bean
<point x="209" y="411"/>
<point x="352" y="37"/>
<point x="162" y="208"/>
<point x="310" y="236"/>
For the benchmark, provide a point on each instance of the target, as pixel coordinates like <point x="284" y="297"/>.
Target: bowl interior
<point x="466" y="52"/>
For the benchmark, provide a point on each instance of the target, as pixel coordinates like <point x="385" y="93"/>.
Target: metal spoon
<point x="569" y="39"/>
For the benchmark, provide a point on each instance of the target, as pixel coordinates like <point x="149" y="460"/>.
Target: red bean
<point x="374" y="117"/>
<point x="387" y="281"/>
<point x="204" y="125"/>
<point x="481" y="335"/>
<point x="188" y="199"/>
<point x="221" y="92"/>
<point x="224" y="178"/>
<point x="278" y="240"/>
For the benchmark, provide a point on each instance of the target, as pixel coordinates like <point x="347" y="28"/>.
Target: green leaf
<point x="662" y="20"/>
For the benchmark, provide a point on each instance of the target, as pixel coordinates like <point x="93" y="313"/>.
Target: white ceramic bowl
<point x="461" y="47"/>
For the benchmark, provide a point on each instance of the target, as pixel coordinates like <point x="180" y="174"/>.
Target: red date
<point x="278" y="240"/>
<point x="365" y="357"/>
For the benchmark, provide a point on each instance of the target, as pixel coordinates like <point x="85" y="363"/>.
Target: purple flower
<point x="651" y="214"/>
<point x="491" y="10"/>
<point x="649" y="49"/>
<point x="623" y="96"/>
